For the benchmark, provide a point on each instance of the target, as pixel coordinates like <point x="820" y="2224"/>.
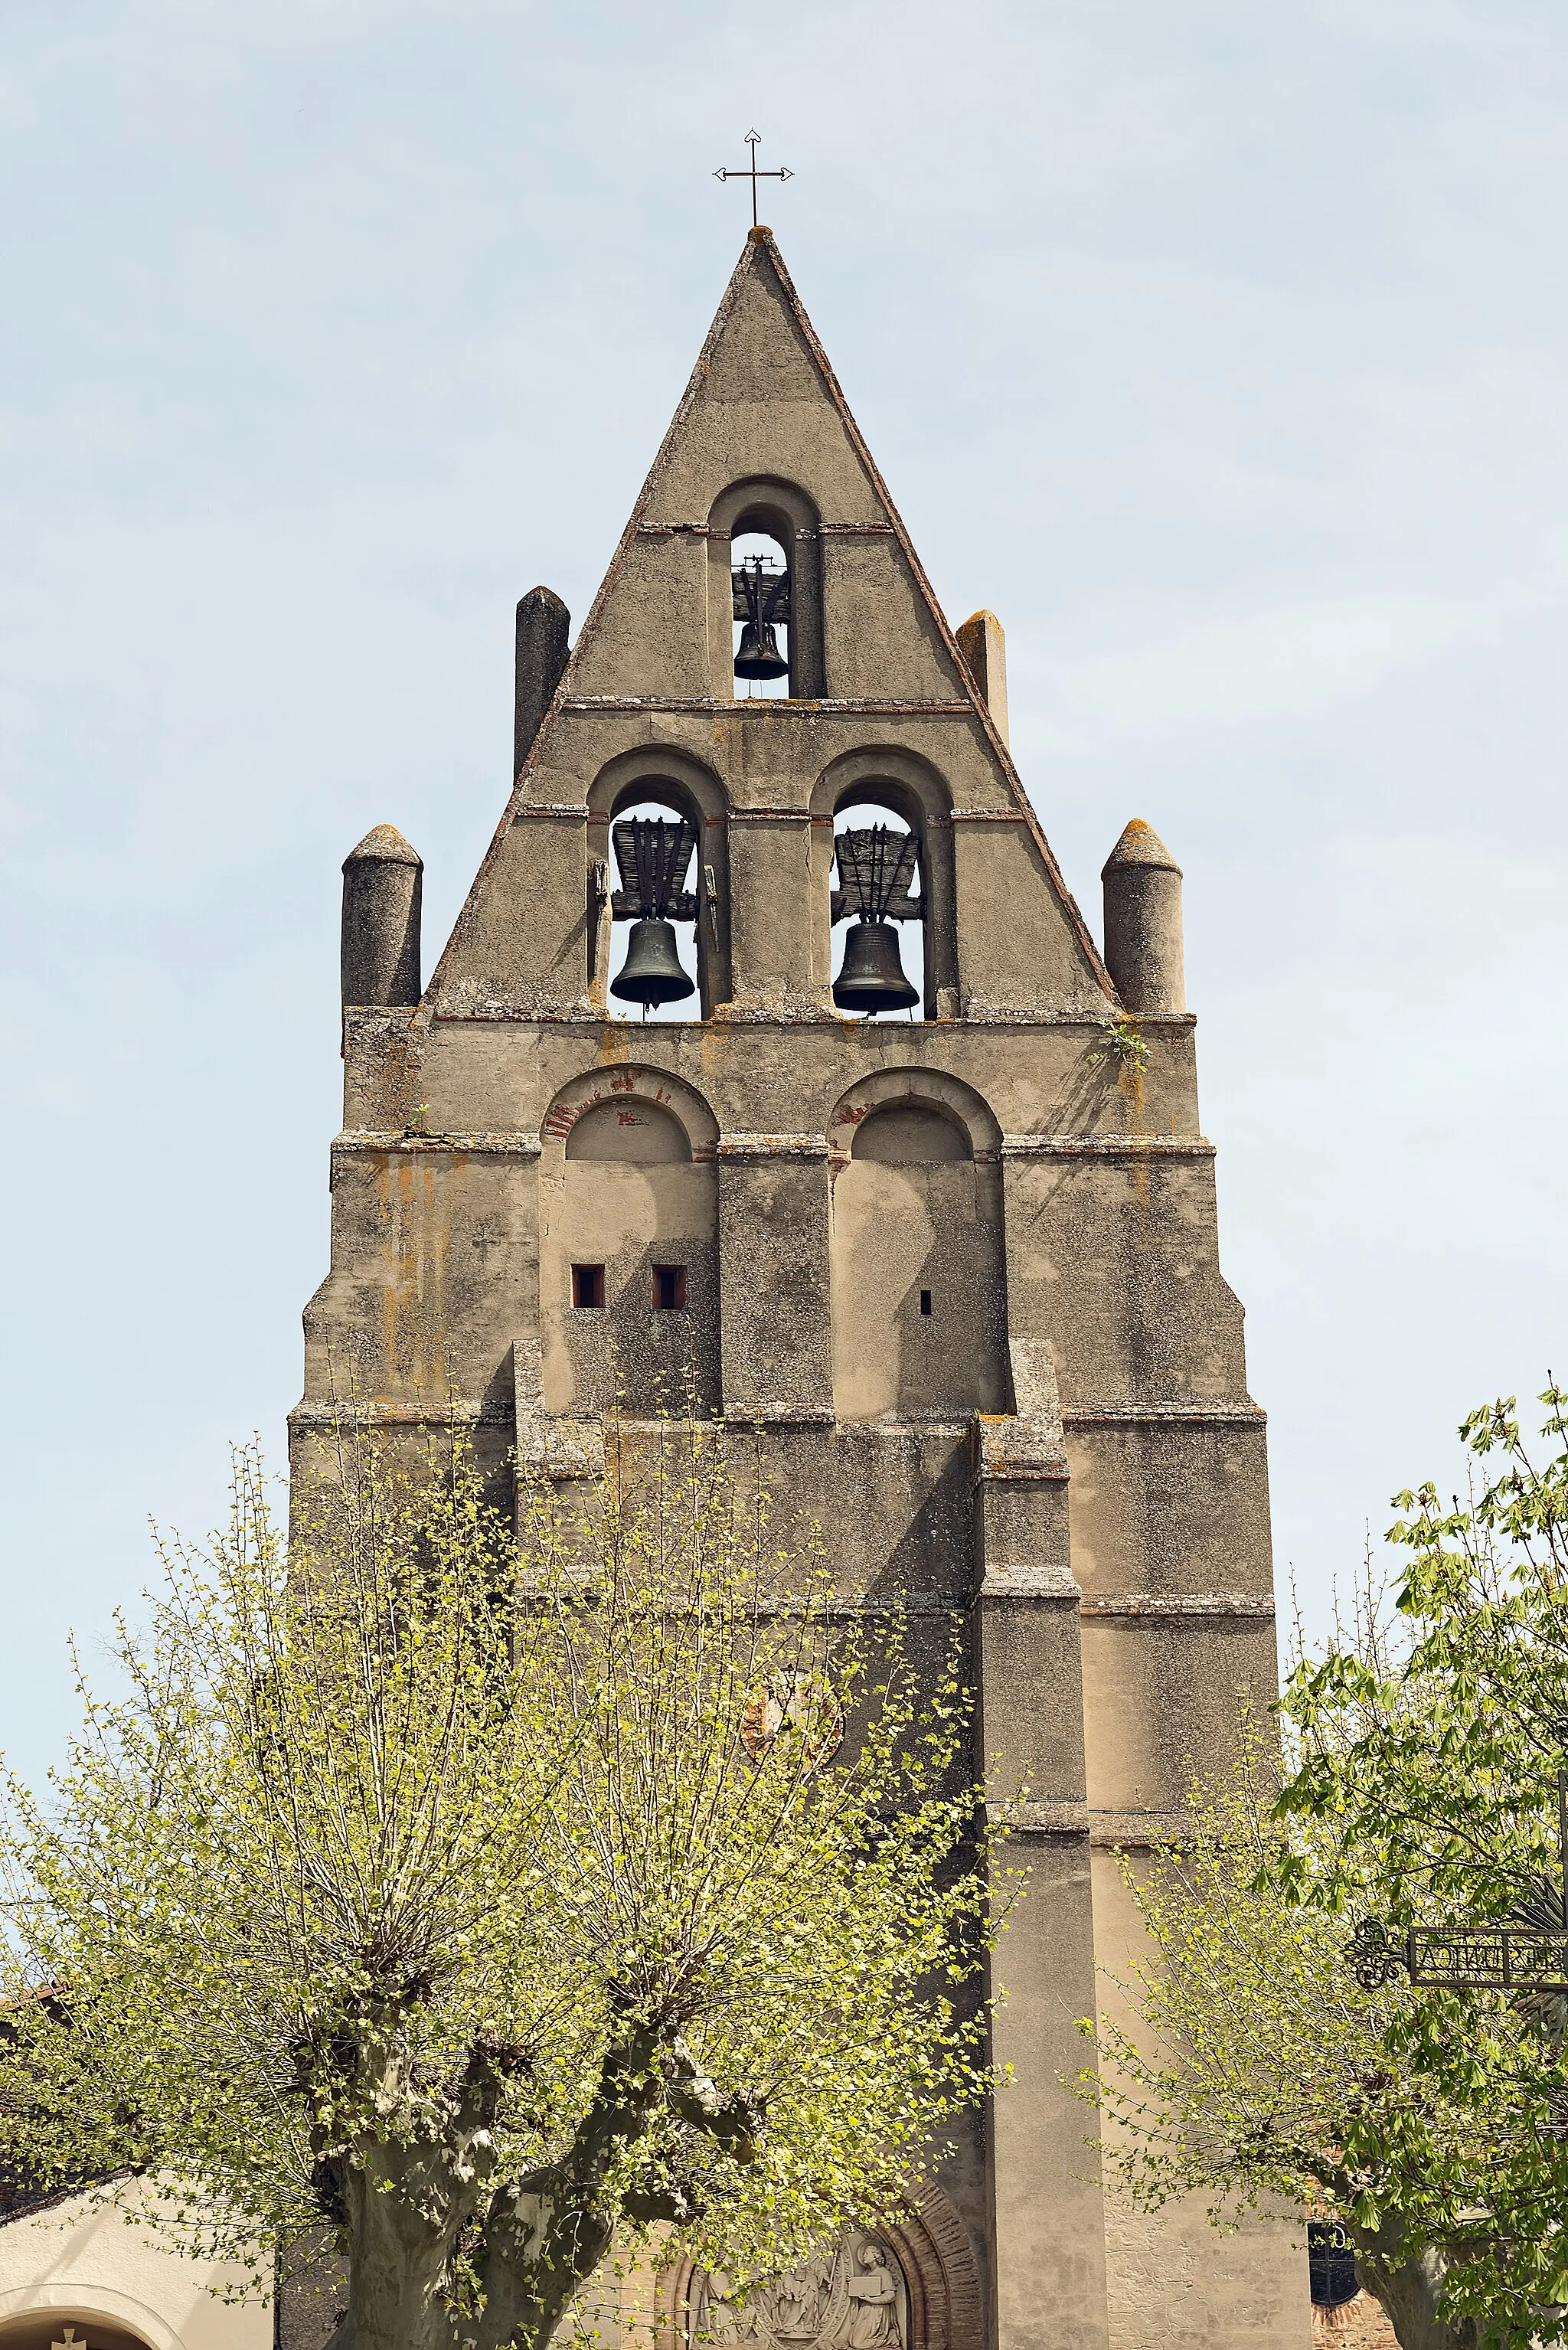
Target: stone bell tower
<point x="878" y="1178"/>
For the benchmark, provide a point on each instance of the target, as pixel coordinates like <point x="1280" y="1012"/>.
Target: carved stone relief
<point x="853" y="2298"/>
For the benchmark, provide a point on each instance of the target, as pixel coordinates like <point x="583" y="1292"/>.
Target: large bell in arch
<point x="872" y="977"/>
<point x="758" y="653"/>
<point x="651" y="973"/>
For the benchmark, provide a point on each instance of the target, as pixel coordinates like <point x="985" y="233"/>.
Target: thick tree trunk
<point x="1410" y="2292"/>
<point x="407" y="2205"/>
<point x="531" y="2258"/>
<point x="400" y="2241"/>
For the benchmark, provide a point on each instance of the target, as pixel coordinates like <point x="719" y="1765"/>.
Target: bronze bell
<point x="759" y="655"/>
<point x="651" y="973"/>
<point x="872" y="977"/>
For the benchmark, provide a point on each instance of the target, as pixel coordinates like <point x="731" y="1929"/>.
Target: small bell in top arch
<point x="758" y="654"/>
<point x="761" y="603"/>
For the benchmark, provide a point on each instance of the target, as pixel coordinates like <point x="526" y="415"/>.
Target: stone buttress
<point x="960" y="1266"/>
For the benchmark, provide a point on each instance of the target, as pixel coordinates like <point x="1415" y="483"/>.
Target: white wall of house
<point x="79" y="2261"/>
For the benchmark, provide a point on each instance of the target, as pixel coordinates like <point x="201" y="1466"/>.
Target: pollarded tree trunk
<point x="413" y="2202"/>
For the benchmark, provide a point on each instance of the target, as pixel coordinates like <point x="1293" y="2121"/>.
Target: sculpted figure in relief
<point x="853" y="2298"/>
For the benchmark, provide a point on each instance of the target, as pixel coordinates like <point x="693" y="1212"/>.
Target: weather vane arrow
<point x="750" y="172"/>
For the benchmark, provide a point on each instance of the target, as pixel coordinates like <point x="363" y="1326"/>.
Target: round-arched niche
<point x="911" y="1134"/>
<point x="906" y="796"/>
<point x="853" y="2297"/>
<point x="918" y="1262"/>
<point x="629" y="1247"/>
<point x="750" y="518"/>
<point x="650" y="785"/>
<point x="909" y="2285"/>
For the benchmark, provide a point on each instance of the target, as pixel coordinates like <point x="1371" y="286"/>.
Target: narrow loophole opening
<point x="925" y="1301"/>
<point x="588" y="1284"/>
<point x="668" y="1288"/>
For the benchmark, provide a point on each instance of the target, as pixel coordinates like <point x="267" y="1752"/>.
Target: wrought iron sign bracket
<point x="1525" y="1951"/>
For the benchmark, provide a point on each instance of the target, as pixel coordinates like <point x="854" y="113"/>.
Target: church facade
<point x="957" y="1258"/>
<point x="908" y="1174"/>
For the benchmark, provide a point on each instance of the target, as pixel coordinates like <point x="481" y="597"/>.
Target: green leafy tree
<point x="1420" y="1789"/>
<point x="1437" y="1782"/>
<point x="501" y="1898"/>
<point x="1262" y="2078"/>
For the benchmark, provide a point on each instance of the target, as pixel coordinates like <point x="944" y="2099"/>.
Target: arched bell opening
<point x="764" y="593"/>
<point x="879" y="969"/>
<point x="656" y="904"/>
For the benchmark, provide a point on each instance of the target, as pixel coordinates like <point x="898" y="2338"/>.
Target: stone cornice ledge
<point x="379" y="1140"/>
<point x="772" y="1146"/>
<point x="1105" y="1145"/>
<point x="778" y="1414"/>
<point x="335" y="1411"/>
<point x="1155" y="1606"/>
<point x="1029" y="1584"/>
<point x="1244" y="1414"/>
<point x="1107" y="1831"/>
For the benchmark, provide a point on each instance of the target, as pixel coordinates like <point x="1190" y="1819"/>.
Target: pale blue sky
<point x="1218" y="346"/>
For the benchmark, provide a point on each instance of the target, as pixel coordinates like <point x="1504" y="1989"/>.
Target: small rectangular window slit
<point x="668" y="1288"/>
<point x="588" y="1284"/>
<point x="925" y="1301"/>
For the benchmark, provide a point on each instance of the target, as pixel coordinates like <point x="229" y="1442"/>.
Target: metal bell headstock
<point x="761" y="603"/>
<point x="654" y="854"/>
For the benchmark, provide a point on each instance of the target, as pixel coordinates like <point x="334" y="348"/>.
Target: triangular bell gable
<point x="763" y="404"/>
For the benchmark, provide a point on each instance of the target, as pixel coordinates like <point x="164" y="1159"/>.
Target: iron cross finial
<point x="753" y="139"/>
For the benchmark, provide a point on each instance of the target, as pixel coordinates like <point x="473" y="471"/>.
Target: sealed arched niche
<point x="909" y="2285"/>
<point x="919" y="1304"/>
<point x="852" y="2297"/>
<point x="629" y="1257"/>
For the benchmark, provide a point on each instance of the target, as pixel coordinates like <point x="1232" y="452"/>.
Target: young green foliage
<point x="501" y="1897"/>
<point x="1420" y="1790"/>
<point x="1259" y="2076"/>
